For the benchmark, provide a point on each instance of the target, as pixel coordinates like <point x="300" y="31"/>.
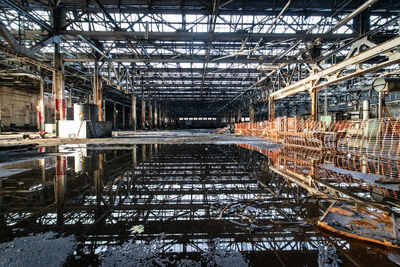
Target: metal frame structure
<point x="195" y="58"/>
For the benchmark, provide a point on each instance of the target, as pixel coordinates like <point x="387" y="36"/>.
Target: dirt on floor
<point x="131" y="137"/>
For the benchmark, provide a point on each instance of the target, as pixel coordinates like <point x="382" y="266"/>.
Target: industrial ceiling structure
<point x="195" y="58"/>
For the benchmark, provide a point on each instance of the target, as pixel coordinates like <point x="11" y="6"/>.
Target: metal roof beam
<point x="332" y="73"/>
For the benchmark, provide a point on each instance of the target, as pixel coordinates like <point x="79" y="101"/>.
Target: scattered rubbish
<point x="137" y="229"/>
<point x="249" y="214"/>
<point x="327" y="256"/>
<point x="132" y="254"/>
<point x="223" y="258"/>
<point x="151" y="254"/>
<point x="361" y="223"/>
<point x="394" y="258"/>
<point x="225" y="130"/>
<point x="260" y="228"/>
<point x="37" y="250"/>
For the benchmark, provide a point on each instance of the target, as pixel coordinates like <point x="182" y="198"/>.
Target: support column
<point x="98" y="180"/>
<point x="159" y="117"/>
<point x="69" y="104"/>
<point x="59" y="20"/>
<point x="239" y="116"/>
<point x="314" y="104"/>
<point x="163" y="118"/>
<point x="150" y="115"/>
<point x="251" y="113"/>
<point x="40" y="108"/>
<point x="155" y="116"/>
<point x="326" y="101"/>
<point x="133" y="112"/>
<point x="134" y="157"/>
<point x="143" y="153"/>
<point x="115" y="116"/>
<point x="98" y="90"/>
<point x="143" y="114"/>
<point x="150" y="152"/>
<point x="58" y="85"/>
<point x="42" y="165"/>
<point x="123" y="117"/>
<point x="365" y="110"/>
<point x="60" y="183"/>
<point x="271" y="109"/>
<point x="380" y="105"/>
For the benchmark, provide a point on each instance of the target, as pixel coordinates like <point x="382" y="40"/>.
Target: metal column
<point x="271" y="109"/>
<point x="98" y="179"/>
<point x="60" y="179"/>
<point x="155" y="116"/>
<point x="159" y="117"/>
<point x="143" y="114"/>
<point x="133" y="112"/>
<point x="115" y="116"/>
<point x="251" y="113"/>
<point x="150" y="115"/>
<point x="59" y="20"/>
<point x="41" y="115"/>
<point x="123" y="117"/>
<point x="58" y="85"/>
<point x="326" y="101"/>
<point x="98" y="90"/>
<point x="314" y="104"/>
<point x="365" y="110"/>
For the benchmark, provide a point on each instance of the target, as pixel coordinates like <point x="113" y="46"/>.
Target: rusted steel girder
<point x="332" y="74"/>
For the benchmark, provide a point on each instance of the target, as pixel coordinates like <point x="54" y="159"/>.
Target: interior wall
<point x="19" y="108"/>
<point x="197" y="124"/>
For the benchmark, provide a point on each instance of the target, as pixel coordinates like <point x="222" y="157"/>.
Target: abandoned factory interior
<point x="199" y="133"/>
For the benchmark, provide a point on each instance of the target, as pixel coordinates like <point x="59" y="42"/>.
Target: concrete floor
<point x="139" y="137"/>
<point x="15" y="148"/>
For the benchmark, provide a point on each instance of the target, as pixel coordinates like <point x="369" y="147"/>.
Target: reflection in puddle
<point x="198" y="204"/>
<point x="356" y="177"/>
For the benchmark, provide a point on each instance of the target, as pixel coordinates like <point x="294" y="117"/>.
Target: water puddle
<point x="169" y="205"/>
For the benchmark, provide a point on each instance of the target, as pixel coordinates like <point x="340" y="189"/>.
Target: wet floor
<point x="157" y="205"/>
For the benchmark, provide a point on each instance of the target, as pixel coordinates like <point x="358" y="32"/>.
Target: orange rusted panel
<point x="361" y="223"/>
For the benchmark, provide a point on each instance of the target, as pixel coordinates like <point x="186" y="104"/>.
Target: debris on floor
<point x="137" y="229"/>
<point x="37" y="250"/>
<point x="250" y="215"/>
<point x="361" y="223"/>
<point x="152" y="254"/>
<point x="327" y="256"/>
<point x="225" y="130"/>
